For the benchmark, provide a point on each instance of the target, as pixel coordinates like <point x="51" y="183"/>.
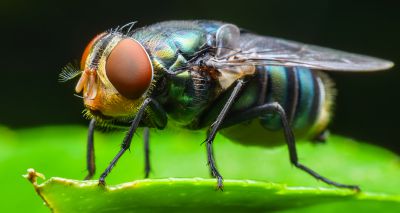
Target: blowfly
<point x="211" y="75"/>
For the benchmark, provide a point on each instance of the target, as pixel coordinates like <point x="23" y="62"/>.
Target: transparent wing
<point x="234" y="49"/>
<point x="237" y="55"/>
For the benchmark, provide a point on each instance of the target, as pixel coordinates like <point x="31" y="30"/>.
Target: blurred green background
<point x="40" y="37"/>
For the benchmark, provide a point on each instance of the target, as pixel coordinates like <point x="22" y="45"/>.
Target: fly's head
<point x="115" y="76"/>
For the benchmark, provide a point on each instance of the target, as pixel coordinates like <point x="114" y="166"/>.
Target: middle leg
<point x="213" y="131"/>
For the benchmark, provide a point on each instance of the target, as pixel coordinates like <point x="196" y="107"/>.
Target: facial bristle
<point x="70" y="71"/>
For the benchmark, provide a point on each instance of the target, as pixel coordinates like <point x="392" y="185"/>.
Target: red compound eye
<point x="129" y="69"/>
<point x="88" y="48"/>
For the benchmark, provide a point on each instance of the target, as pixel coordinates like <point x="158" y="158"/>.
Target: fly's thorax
<point x="116" y="78"/>
<point x="188" y="95"/>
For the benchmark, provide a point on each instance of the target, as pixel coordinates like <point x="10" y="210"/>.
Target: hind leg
<point x="289" y="137"/>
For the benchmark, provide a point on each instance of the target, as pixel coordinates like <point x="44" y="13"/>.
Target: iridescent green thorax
<point x="171" y="45"/>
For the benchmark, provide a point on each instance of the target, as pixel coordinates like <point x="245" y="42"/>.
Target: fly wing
<point x="263" y="50"/>
<point x="238" y="54"/>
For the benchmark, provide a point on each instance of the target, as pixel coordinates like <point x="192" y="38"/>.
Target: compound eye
<point x="129" y="69"/>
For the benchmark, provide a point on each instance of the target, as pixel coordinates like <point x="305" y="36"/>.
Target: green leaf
<point x="196" y="195"/>
<point x="59" y="151"/>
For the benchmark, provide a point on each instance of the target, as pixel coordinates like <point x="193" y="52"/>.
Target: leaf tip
<point x="32" y="176"/>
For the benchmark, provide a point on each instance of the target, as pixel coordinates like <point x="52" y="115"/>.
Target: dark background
<point x="39" y="37"/>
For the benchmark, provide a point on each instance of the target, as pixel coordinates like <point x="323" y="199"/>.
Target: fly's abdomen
<point x="305" y="95"/>
<point x="297" y="90"/>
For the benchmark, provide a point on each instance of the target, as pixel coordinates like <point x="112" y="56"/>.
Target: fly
<point x="253" y="89"/>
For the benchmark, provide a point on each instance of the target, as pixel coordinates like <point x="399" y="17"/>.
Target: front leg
<point x="214" y="128"/>
<point x="127" y="140"/>
<point x="146" y="142"/>
<point x="90" y="163"/>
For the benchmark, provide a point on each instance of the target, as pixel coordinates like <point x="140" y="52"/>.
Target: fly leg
<point x="146" y="137"/>
<point x="127" y="140"/>
<point x="214" y="128"/>
<point x="91" y="165"/>
<point x="211" y="172"/>
<point x="289" y="137"/>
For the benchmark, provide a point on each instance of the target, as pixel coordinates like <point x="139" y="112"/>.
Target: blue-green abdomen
<point x="297" y="91"/>
<point x="304" y="94"/>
